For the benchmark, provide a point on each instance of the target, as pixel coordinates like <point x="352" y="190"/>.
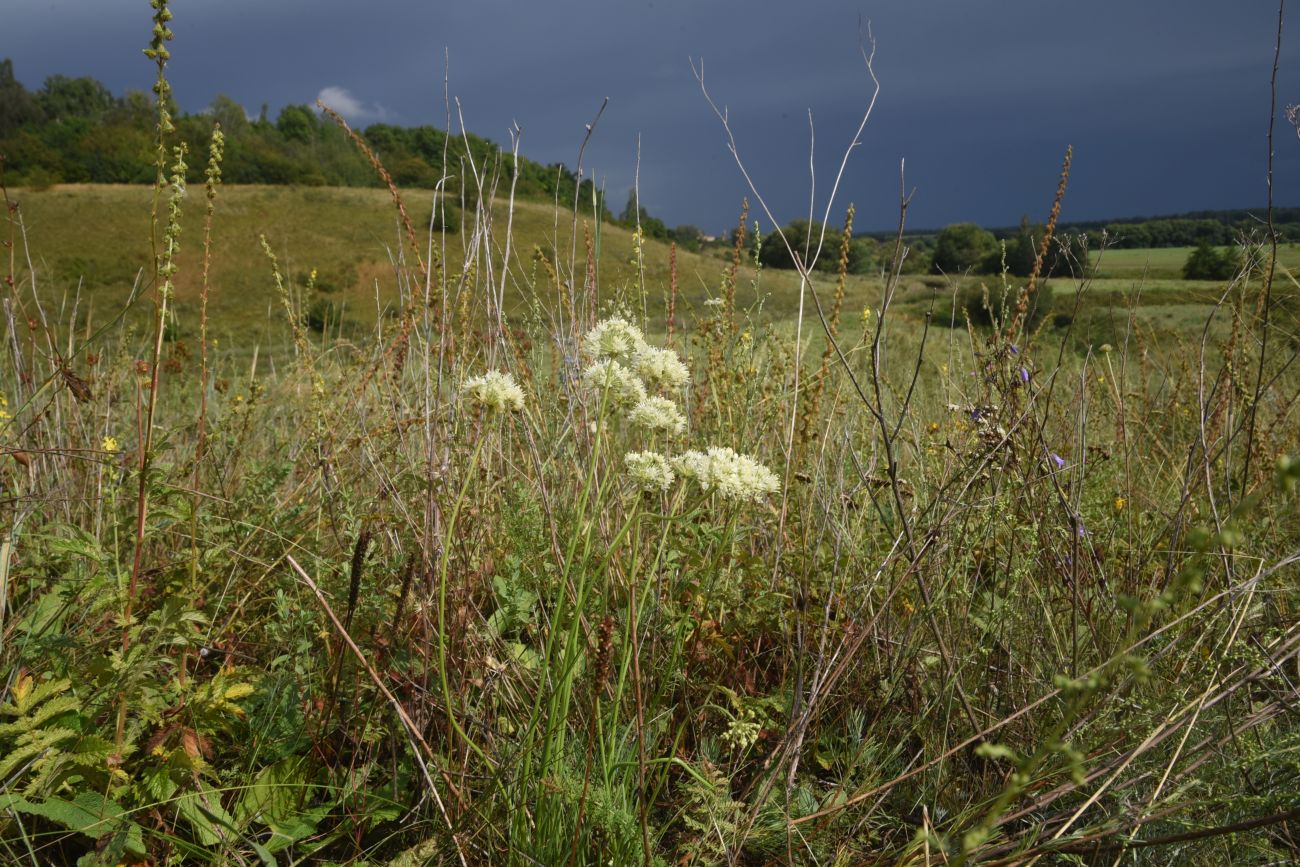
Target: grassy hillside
<point x="96" y="237"/>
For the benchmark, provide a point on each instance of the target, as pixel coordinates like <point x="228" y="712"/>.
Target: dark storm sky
<point x="1165" y="101"/>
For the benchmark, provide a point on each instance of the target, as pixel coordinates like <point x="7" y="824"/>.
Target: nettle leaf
<point x="81" y="544"/>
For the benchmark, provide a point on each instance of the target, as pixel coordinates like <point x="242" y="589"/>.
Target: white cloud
<point x="341" y="100"/>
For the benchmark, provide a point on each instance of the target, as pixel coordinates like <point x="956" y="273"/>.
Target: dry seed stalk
<point x="733" y="275"/>
<point x="397" y="349"/>
<point x="1022" y="301"/>
<point x="818" y="385"/>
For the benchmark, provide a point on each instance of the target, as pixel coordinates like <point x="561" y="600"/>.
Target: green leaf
<point x="89" y="813"/>
<point x="202" y="808"/>
<point x="275" y="794"/>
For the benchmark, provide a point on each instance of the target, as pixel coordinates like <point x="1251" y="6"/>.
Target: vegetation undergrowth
<point x="529" y="575"/>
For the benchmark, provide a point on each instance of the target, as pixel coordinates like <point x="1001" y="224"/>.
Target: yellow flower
<point x="109" y="444"/>
<point x="934" y="427"/>
<point x="1120" y="503"/>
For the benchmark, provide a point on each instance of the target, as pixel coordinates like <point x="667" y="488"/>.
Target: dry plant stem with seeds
<point x="593" y="551"/>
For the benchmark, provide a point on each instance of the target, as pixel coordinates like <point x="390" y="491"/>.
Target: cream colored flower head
<point x="614" y="337"/>
<point x="731" y="475"/>
<point x="658" y="414"/>
<point x="693" y="465"/>
<point x="614" y="383"/>
<point x="649" y="471"/>
<point x="660" y="367"/>
<point x="495" y="391"/>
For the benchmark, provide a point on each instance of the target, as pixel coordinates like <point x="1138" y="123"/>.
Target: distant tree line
<point x="1191" y="229"/>
<point x="685" y="236"/>
<point x="74" y="130"/>
<point x="967" y="248"/>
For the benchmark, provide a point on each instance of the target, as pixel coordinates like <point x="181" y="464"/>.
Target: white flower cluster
<point x="622" y="386"/>
<point x="658" y="414"/>
<point x="732" y="475"/>
<point x="495" y="391"/>
<point x="613" y="338"/>
<point x="624" y="370"/>
<point x="649" y="471"/>
<point x="660" y="367"/>
<point x="616" y="339"/>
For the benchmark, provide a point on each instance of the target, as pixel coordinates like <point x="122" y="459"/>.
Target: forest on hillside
<point x="75" y="130"/>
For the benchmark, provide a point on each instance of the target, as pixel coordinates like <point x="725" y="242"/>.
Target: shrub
<point x="962" y="247"/>
<point x="1207" y="263"/>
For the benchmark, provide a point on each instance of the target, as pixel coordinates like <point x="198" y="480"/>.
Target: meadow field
<point x="1165" y="263"/>
<point x="349" y="526"/>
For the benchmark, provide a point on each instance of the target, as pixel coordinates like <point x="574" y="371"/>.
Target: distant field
<point x="1164" y="263"/>
<point x="89" y="242"/>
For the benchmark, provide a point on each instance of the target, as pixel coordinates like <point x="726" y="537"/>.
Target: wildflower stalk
<point x="164" y="269"/>
<point x="215" y="152"/>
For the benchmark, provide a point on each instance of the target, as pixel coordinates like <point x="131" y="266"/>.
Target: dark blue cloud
<point x="1165" y="102"/>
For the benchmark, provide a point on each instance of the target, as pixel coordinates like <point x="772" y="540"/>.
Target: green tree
<point x="230" y="114"/>
<point x="135" y="109"/>
<point x="17" y="105"/>
<point x="688" y="237"/>
<point x="862" y="255"/>
<point x="962" y="247"/>
<point x="296" y="123"/>
<point x="1207" y="263"/>
<point x="803" y="237"/>
<point x="64" y="98"/>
